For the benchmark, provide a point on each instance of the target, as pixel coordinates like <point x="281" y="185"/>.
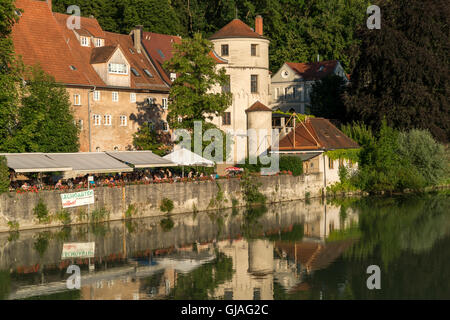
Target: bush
<point x="250" y="190"/>
<point x="427" y="155"/>
<point x="41" y="212"/>
<point x="166" y="205"/>
<point x="131" y="211"/>
<point x="13" y="226"/>
<point x="64" y="217"/>
<point x="293" y="164"/>
<point x="4" y="175"/>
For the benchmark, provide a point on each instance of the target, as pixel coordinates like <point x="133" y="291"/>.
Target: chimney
<point x="137" y="38"/>
<point x="49" y="3"/>
<point x="259" y="25"/>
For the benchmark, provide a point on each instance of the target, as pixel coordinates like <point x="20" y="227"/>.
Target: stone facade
<point x="119" y="134"/>
<point x="241" y="66"/>
<point x="187" y="197"/>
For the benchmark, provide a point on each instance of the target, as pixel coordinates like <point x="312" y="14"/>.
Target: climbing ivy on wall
<point x="347" y="154"/>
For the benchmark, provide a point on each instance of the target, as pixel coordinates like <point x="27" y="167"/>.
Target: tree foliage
<point x="191" y="93"/>
<point x="425" y="154"/>
<point x="46" y="122"/>
<point x="326" y="98"/>
<point x="402" y="71"/>
<point x="293" y="164"/>
<point x="9" y="79"/>
<point x="148" y="139"/>
<point x="4" y="175"/>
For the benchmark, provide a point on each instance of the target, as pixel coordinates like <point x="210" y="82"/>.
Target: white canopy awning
<point x="184" y="157"/>
<point x="33" y="162"/>
<point x="90" y="162"/>
<point x="141" y="159"/>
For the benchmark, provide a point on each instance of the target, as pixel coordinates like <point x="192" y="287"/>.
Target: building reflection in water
<point x="256" y="263"/>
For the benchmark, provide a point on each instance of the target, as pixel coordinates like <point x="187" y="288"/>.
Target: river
<point x="294" y="250"/>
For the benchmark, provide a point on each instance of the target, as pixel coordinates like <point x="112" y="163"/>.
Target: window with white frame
<point x="115" y="96"/>
<point x="118" y="68"/>
<point x="98" y="42"/>
<point x="77" y="100"/>
<point x="123" y="121"/>
<point x="164" y="103"/>
<point x="96" y="95"/>
<point x="133" y="97"/>
<point x="85" y="42"/>
<point x="107" y="118"/>
<point x="97" y="120"/>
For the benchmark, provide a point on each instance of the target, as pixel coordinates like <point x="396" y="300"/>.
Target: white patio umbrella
<point x="184" y="157"/>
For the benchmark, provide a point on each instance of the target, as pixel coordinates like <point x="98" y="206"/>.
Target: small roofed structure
<point x="141" y="159"/>
<point x="33" y="163"/>
<point x="90" y="162"/>
<point x="185" y="157"/>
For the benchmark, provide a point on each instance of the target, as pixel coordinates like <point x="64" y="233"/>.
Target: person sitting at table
<point x="58" y="184"/>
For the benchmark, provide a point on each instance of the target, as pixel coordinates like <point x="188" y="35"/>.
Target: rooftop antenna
<point x="236" y="11"/>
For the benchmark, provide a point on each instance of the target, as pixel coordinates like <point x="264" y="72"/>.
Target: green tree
<point x="191" y="95"/>
<point x="326" y="98"/>
<point x="146" y="138"/>
<point x="9" y="80"/>
<point x="46" y="122"/>
<point x="387" y="169"/>
<point x="425" y="154"/>
<point x="4" y="175"/>
<point x="402" y="71"/>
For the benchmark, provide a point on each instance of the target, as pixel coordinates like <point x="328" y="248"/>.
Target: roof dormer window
<point x="85" y="42"/>
<point x="117" y="68"/>
<point x="148" y="73"/>
<point x="135" y="72"/>
<point x="99" y="42"/>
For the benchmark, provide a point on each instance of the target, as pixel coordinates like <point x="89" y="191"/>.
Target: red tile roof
<point x="138" y="61"/>
<point x="316" y="134"/>
<point x="236" y="29"/>
<point x="313" y="70"/>
<point x="38" y="39"/>
<point x="42" y="37"/>
<point x="160" y="49"/>
<point x="102" y="54"/>
<point x="258" y="106"/>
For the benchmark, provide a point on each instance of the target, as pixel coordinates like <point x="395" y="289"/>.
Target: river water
<point x="295" y="250"/>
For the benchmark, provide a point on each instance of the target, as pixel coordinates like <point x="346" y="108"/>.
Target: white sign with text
<point x="70" y="200"/>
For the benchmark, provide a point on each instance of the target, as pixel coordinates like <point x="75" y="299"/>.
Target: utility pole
<point x="89" y="117"/>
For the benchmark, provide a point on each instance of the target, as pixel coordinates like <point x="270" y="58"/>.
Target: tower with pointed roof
<point x="247" y="54"/>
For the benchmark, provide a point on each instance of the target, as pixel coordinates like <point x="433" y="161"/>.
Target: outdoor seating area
<point x="35" y="172"/>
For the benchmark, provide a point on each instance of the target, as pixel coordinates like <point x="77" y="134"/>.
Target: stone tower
<point x="247" y="54"/>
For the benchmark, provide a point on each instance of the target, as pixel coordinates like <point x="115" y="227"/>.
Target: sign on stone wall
<point x="76" y="199"/>
<point x="78" y="250"/>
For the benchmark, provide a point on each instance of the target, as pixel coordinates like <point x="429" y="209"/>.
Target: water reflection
<point x="293" y="250"/>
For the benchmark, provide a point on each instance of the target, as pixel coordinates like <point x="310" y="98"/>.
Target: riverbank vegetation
<point x="393" y="161"/>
